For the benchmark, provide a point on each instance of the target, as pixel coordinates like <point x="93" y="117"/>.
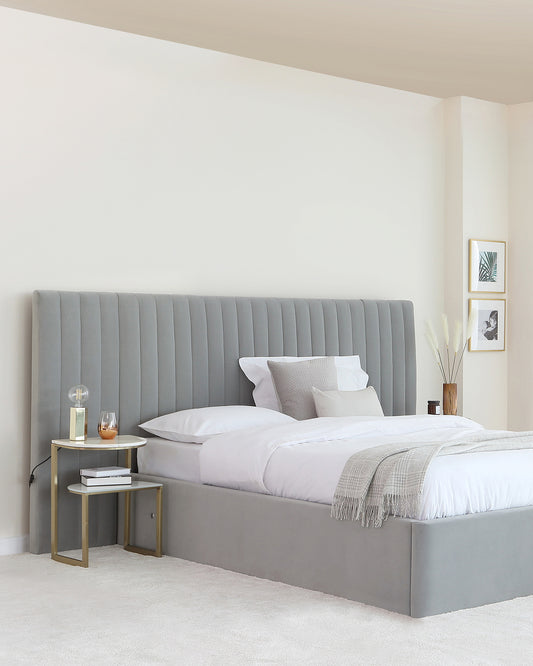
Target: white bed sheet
<point x="175" y="460"/>
<point x="305" y="460"/>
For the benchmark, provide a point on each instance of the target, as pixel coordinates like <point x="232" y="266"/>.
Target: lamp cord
<point x="32" y="475"/>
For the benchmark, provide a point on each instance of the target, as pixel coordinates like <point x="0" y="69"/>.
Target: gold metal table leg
<point x="127" y="505"/>
<point x="159" y="524"/>
<point x="85" y="530"/>
<point x="84" y="562"/>
<point x="158" y="552"/>
<point x="53" y="503"/>
<point x="127" y="518"/>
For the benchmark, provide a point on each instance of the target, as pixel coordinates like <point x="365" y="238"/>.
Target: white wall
<point x="520" y="313"/>
<point x="476" y="207"/>
<point x="485" y="216"/>
<point x="453" y="241"/>
<point x="136" y="164"/>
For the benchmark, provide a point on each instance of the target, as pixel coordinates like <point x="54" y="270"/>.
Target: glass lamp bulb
<point x="78" y="395"/>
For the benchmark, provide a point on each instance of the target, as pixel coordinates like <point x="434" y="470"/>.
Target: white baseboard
<point x="14" y="545"/>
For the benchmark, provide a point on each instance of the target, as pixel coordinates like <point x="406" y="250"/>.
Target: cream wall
<point x="486" y="204"/>
<point x="477" y="202"/>
<point x="135" y="164"/>
<point x="453" y="241"/>
<point x="520" y="313"/>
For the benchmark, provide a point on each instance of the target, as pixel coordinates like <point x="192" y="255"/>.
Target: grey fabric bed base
<point x="416" y="568"/>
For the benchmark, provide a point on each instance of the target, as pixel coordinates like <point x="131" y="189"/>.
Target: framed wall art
<point x="487" y="266"/>
<point x="488" y="332"/>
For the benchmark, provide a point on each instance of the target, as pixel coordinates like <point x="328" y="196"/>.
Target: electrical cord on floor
<point x="32" y="475"/>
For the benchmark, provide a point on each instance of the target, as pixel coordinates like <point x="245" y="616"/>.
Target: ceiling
<point x="476" y="48"/>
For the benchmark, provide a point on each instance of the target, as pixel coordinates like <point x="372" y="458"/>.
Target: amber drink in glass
<point x="108" y="425"/>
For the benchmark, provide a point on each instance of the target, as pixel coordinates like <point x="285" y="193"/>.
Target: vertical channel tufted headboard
<point x="148" y="354"/>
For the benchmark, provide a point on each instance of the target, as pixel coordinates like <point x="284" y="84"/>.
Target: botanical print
<point x="487" y="265"/>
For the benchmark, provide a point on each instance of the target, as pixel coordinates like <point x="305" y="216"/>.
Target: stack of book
<point x="105" y="476"/>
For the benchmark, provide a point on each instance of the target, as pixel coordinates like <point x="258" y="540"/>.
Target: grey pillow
<point x="293" y="383"/>
<point x="347" y="403"/>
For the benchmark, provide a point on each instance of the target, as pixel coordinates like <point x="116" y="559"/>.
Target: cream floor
<point x="130" y="609"/>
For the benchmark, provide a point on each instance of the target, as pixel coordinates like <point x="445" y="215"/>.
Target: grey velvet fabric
<point x="417" y="568"/>
<point x="143" y="355"/>
<point x="471" y="560"/>
<point x="281" y="539"/>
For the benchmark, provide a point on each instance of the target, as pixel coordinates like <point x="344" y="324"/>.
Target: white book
<point x="105" y="471"/>
<point x="106" y="480"/>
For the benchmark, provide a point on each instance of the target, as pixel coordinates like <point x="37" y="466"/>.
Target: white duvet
<point x="304" y="460"/>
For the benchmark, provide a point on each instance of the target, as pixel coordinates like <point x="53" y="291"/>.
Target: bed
<point x="144" y="355"/>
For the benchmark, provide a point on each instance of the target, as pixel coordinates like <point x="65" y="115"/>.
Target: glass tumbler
<point x="107" y="425"/>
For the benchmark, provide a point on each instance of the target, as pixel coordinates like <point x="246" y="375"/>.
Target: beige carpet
<point x="130" y="609"/>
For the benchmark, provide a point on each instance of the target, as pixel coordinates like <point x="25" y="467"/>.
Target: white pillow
<point x="350" y="375"/>
<point x="347" y="403"/>
<point x="197" y="425"/>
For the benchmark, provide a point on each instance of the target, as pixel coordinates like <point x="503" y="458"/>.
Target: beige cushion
<point x="293" y="383"/>
<point x="347" y="403"/>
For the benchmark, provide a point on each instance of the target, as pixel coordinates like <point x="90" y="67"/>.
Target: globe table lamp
<point x="78" y="414"/>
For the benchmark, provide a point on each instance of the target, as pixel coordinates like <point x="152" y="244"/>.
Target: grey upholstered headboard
<point x="144" y="354"/>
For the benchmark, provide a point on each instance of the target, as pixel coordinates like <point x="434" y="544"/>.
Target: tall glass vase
<point x="449" y="399"/>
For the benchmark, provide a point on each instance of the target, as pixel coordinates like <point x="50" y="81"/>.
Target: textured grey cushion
<point x="294" y="383"/>
<point x="347" y="403"/>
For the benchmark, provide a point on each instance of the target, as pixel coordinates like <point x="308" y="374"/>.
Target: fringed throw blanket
<point x="389" y="479"/>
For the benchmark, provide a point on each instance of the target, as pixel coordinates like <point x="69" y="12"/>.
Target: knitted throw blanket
<point x="388" y="480"/>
